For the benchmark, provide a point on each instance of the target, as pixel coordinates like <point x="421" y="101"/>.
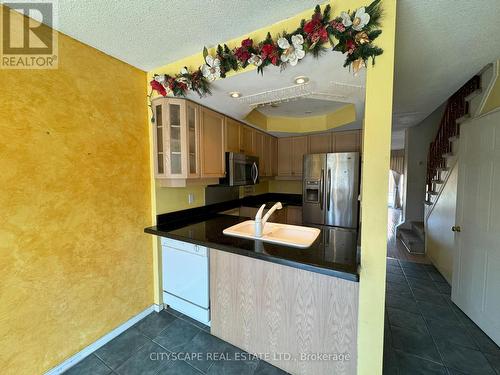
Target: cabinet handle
<point x="456" y="228"/>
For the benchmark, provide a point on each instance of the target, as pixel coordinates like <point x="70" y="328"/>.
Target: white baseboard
<point x="73" y="360"/>
<point x="159" y="307"/>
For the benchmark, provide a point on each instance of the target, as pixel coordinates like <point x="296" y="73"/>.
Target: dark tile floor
<point x="170" y="343"/>
<point x="425" y="332"/>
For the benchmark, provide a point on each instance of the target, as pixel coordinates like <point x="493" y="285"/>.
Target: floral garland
<point x="351" y="33"/>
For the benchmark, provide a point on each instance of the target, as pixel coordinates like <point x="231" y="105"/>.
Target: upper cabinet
<point x="346" y="141"/>
<point x="232" y="135"/>
<point x="247" y="140"/>
<point x="320" y="143"/>
<point x="170" y="144"/>
<point x="212" y="126"/>
<point x="188" y="142"/>
<point x="290" y="155"/>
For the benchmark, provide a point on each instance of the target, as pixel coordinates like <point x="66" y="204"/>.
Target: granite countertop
<point x="334" y="253"/>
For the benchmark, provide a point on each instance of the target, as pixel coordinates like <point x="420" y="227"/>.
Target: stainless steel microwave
<point x="241" y="169"/>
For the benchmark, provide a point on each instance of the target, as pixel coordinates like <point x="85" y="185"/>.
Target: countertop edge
<point x="267" y="258"/>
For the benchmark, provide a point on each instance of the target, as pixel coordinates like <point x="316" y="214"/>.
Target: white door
<point x="476" y="268"/>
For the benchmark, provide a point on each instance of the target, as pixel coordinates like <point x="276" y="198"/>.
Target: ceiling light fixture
<point x="301" y="80"/>
<point x="235" y="94"/>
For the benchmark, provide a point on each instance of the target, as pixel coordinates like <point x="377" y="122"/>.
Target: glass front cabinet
<point x="176" y="129"/>
<point x="176" y="133"/>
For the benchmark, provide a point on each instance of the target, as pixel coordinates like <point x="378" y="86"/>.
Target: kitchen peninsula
<point x="293" y="305"/>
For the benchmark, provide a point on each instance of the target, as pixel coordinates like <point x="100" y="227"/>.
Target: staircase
<point x="414" y="238"/>
<point x="466" y="103"/>
<point x="443" y="150"/>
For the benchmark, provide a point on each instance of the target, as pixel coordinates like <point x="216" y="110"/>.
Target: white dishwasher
<point x="186" y="278"/>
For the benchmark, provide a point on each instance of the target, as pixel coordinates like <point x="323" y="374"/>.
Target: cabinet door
<point x="259" y="151"/>
<point x="175" y="130"/>
<point x="268" y="155"/>
<point x="284" y="156"/>
<point x="247" y="140"/>
<point x="294" y="215"/>
<point x="274" y="156"/>
<point x="347" y="141"/>
<point x="193" y="146"/>
<point x="211" y="143"/>
<point x="232" y="135"/>
<point x="320" y="143"/>
<point x="299" y="149"/>
<point x="158" y="137"/>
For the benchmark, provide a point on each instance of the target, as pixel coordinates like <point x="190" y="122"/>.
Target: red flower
<point x="247" y="42"/>
<point x="242" y="54"/>
<point x="155" y="85"/>
<point x="338" y="26"/>
<point x="350" y="45"/>
<point x="315" y="30"/>
<point x="270" y="52"/>
<point x="310" y="26"/>
<point x="171" y="83"/>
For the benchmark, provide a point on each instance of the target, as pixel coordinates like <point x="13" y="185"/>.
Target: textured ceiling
<point x="440" y="44"/>
<point x="151" y="33"/>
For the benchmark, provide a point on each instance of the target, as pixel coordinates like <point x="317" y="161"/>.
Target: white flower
<point x="160" y="78"/>
<point x="361" y="19"/>
<point x="255" y="60"/>
<point x="292" y="52"/>
<point x="184" y="71"/>
<point x="211" y="70"/>
<point x="346" y="19"/>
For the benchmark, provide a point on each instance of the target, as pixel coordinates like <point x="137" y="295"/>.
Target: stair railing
<point x="456" y="108"/>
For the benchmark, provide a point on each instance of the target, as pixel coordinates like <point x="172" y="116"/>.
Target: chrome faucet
<point x="261" y="221"/>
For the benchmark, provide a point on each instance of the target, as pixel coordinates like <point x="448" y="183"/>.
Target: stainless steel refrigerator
<point x="331" y="189"/>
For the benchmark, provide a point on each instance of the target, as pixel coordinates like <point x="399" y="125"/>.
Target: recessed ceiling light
<point x="300" y="80"/>
<point x="235" y="94"/>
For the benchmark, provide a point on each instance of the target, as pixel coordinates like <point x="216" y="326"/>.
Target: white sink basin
<point x="283" y="234"/>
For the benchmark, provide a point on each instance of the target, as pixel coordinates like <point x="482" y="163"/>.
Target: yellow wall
<point x="376" y="154"/>
<point x="342" y="116"/>
<point x="74" y="199"/>
<point x="283" y="186"/>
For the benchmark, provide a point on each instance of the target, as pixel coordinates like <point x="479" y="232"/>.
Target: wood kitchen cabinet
<point x="268" y="155"/>
<point x="259" y="142"/>
<point x="299" y="149"/>
<point x="247" y="140"/>
<point x="285" y="157"/>
<point x="346" y="141"/>
<point x="176" y="141"/>
<point x="290" y="154"/>
<point x="232" y="135"/>
<point x="212" y="143"/>
<point x="320" y="143"/>
<point x="274" y="156"/>
<point x="294" y="215"/>
<point x="262" y="307"/>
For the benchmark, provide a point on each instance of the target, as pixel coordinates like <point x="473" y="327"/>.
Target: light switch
<point x="190" y="198"/>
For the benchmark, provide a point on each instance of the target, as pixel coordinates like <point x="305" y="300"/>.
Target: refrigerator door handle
<point x="328" y="189"/>
<point x="321" y="182"/>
